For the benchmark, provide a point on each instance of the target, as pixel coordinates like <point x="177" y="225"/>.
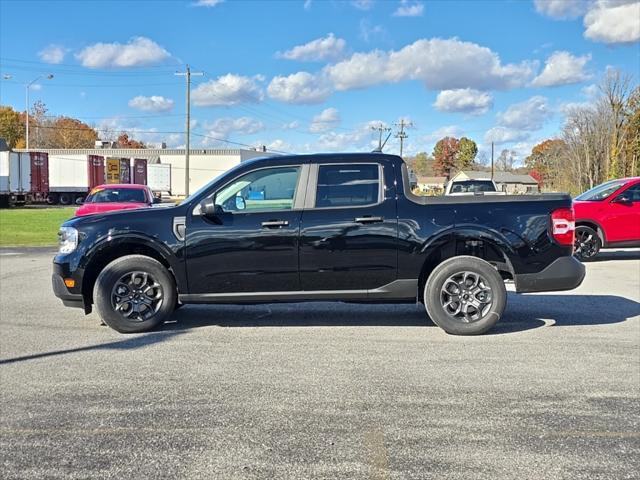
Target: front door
<point x="624" y="217"/>
<point x="252" y="245"/>
<point x="348" y="238"/>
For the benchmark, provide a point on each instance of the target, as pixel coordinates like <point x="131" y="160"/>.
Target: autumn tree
<point x="445" y="154"/>
<point x="11" y="126"/>
<point x="467" y="151"/>
<point x="68" y="132"/>
<point x="125" y="142"/>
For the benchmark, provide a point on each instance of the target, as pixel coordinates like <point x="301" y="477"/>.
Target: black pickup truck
<point x="339" y="227"/>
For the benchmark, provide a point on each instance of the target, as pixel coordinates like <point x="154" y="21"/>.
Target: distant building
<point x="510" y="183"/>
<point x="430" y="184"/>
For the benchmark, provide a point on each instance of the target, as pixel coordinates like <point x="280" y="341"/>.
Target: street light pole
<point x="49" y="77"/>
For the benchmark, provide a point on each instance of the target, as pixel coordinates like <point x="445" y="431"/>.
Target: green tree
<point x="467" y="151"/>
<point x="11" y="126"/>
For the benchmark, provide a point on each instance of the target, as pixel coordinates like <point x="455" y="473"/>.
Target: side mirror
<point x="210" y="210"/>
<point x="623" y="199"/>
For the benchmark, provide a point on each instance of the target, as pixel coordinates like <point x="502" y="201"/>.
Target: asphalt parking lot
<point x="322" y="390"/>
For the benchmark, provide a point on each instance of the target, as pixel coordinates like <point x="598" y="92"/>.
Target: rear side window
<point x="633" y="193"/>
<point x="347" y="185"/>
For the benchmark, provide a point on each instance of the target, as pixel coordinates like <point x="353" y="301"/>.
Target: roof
<point x="131" y="186"/>
<point x="499" y="177"/>
<point x="422" y="179"/>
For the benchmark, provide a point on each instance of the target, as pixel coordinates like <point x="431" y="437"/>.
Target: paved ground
<point x="322" y="390"/>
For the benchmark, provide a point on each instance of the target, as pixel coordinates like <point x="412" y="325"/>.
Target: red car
<point x="107" y="198"/>
<point x="607" y="216"/>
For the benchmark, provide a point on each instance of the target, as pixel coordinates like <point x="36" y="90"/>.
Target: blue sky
<point x="303" y="76"/>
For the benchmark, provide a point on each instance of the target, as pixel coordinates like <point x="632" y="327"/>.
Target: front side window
<point x="347" y="185"/>
<point x="633" y="193"/>
<point x="261" y="190"/>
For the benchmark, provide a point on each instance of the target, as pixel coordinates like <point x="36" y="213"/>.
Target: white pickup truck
<point x="472" y="187"/>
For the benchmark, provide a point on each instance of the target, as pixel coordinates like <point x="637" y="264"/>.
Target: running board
<point x="396" y="290"/>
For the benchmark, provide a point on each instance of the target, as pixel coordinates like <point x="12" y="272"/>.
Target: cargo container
<point x="24" y="177"/>
<point x="159" y="177"/>
<point x="140" y="171"/>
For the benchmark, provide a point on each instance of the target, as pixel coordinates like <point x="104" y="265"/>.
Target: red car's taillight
<point x="563" y="226"/>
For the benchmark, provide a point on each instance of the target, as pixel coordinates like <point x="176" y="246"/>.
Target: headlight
<point x="68" y="239"/>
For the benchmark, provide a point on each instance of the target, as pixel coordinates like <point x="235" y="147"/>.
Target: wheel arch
<point x="587" y="222"/>
<point x="485" y="244"/>
<point x="115" y="247"/>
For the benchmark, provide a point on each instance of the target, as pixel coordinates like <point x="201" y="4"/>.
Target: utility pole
<point x="491" y="160"/>
<point x="401" y="133"/>
<point x="380" y="128"/>
<point x="187" y="74"/>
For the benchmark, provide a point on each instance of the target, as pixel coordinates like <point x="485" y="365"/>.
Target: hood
<point x="91" y="208"/>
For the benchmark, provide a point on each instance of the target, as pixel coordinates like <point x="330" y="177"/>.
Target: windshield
<point x="474" y="186"/>
<point x="109" y="195"/>
<point x="601" y="191"/>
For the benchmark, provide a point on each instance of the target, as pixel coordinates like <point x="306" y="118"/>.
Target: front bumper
<point x="564" y="273"/>
<point x="69" y="297"/>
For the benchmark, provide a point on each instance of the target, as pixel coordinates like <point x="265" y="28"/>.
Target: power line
<point x="401" y="133"/>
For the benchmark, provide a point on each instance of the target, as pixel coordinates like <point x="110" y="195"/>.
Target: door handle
<point x="275" y="224"/>
<point x="368" y="219"/>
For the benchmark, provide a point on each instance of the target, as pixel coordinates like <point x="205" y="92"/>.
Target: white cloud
<point x="35" y="87"/>
<point x="319" y="49"/>
<point x="501" y="135"/>
<point x="561" y="9"/>
<point x="52" y="54"/>
<point x="464" y="100"/>
<point x="154" y="103"/>
<point x="280" y="145"/>
<point x="528" y="115"/>
<point x="227" y="90"/>
<point x="369" y="31"/>
<point x="446" y="131"/>
<point x="326" y="120"/>
<point x="291" y="125"/>
<point x="223" y="127"/>
<point x="299" y="88"/>
<point x="605" y="21"/>
<point x="441" y="64"/>
<point x="362" y="4"/>
<point x="409" y="8"/>
<point x="207" y="3"/>
<point x="139" y="51"/>
<point x="612" y="23"/>
<point x="562" y="68"/>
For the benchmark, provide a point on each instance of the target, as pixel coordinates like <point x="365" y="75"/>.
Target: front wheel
<point x="587" y="243"/>
<point x="134" y="294"/>
<point x="465" y="296"/>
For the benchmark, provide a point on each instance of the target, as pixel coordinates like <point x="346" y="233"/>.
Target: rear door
<point x="623" y="223"/>
<point x="348" y="235"/>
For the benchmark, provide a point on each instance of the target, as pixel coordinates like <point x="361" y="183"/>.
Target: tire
<point x="79" y="199"/>
<point x="65" y="199"/>
<point x="479" y="310"/>
<point x="587" y="244"/>
<point x="118" y="296"/>
<point x="52" y="199"/>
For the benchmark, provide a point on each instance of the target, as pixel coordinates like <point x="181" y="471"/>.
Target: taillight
<point x="563" y="226"/>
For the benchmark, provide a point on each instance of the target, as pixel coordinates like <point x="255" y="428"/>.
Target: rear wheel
<point x="587" y="244"/>
<point x="465" y="296"/>
<point x="65" y="199"/>
<point x="134" y="294"/>
<point x="52" y="199"/>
